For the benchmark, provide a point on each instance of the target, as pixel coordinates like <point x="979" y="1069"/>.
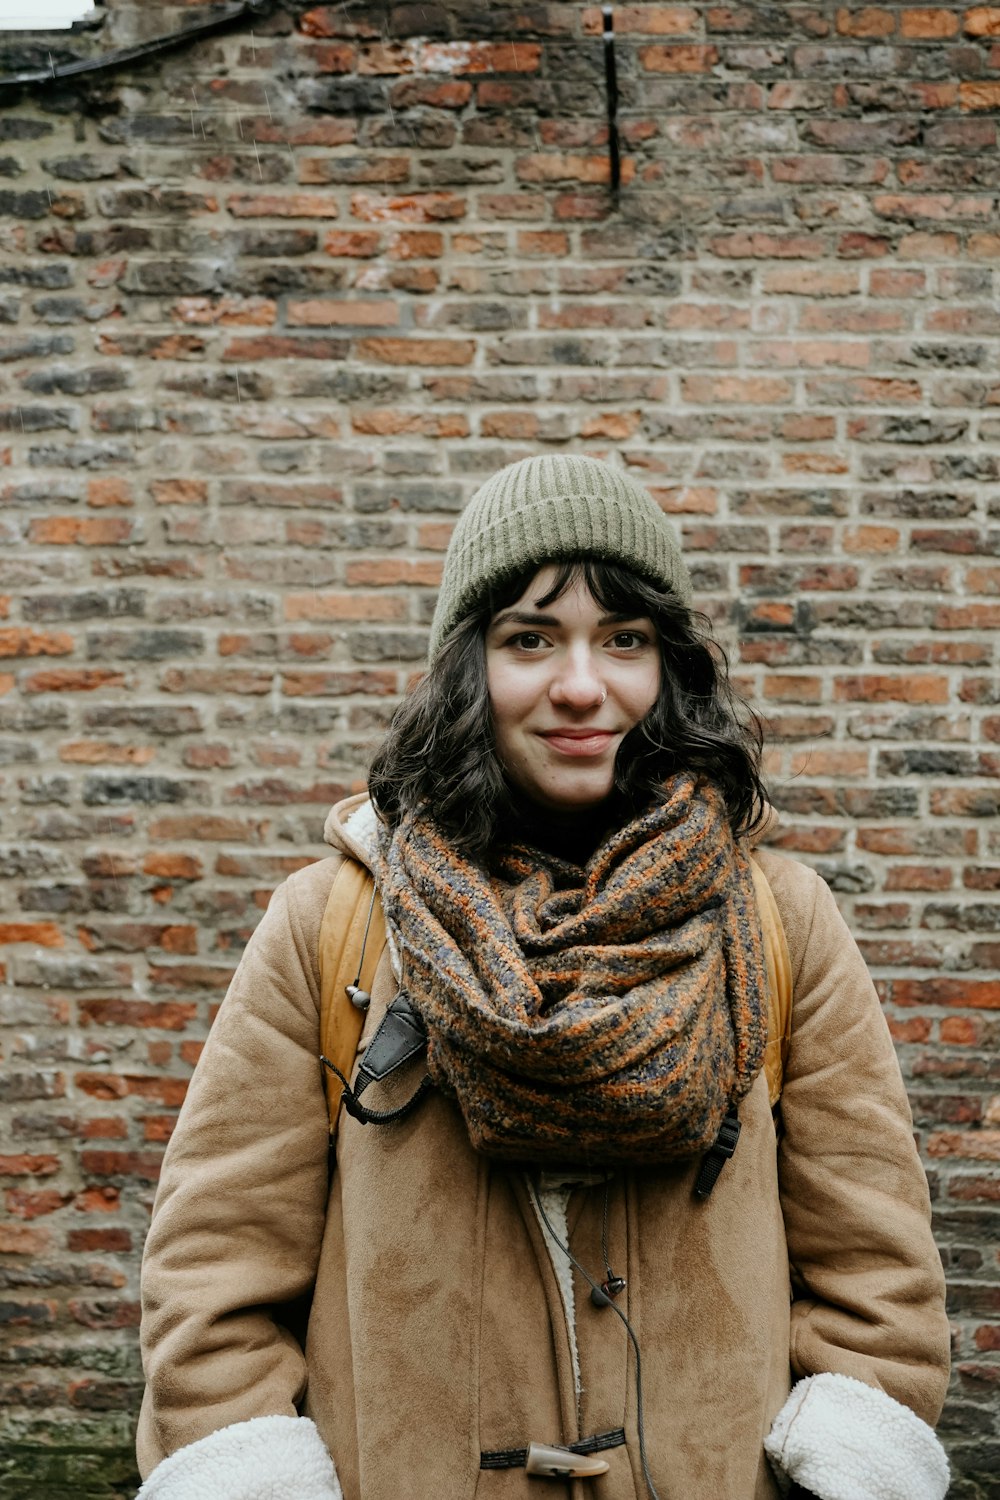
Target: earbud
<point x="602" y="1296"/>
<point x="358" y="997"/>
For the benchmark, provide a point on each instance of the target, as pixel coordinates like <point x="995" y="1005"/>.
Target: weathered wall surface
<point x="271" y="306"/>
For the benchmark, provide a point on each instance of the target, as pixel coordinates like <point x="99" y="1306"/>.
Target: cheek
<point x="646" y="692"/>
<point x="501" y="686"/>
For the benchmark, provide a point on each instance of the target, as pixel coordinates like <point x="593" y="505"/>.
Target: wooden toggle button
<point x="562" y="1463"/>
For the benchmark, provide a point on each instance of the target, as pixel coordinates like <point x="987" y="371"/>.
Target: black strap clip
<point x="399" y="1036"/>
<point x="718" y="1154"/>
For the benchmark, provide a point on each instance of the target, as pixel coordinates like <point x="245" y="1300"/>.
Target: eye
<point x="629" y="640"/>
<point x="527" y="640"/>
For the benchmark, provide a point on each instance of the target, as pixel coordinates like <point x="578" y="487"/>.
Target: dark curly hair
<point x="439" y="749"/>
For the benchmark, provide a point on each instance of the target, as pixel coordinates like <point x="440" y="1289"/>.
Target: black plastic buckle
<point x="718" y="1154"/>
<point x="729" y="1134"/>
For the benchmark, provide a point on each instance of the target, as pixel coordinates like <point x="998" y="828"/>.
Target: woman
<point x="560" y="827"/>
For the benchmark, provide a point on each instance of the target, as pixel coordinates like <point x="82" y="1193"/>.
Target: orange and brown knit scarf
<point x="600" y="1014"/>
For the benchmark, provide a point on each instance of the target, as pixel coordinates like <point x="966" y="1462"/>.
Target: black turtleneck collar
<point x="570" y="836"/>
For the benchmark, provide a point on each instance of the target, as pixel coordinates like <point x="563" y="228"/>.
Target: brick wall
<point x="271" y="306"/>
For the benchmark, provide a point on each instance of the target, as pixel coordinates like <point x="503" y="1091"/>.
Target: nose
<point x="577" y="683"/>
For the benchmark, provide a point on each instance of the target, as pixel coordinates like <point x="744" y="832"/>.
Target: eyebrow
<point x="521" y="617"/>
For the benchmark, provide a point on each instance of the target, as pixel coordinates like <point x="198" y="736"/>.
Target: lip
<point x="578" y="742"/>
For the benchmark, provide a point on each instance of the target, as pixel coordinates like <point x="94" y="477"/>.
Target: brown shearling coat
<point x="437" y="1330"/>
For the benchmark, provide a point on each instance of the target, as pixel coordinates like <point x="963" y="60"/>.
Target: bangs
<point x="617" y="590"/>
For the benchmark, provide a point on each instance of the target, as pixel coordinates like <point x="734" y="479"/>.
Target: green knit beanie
<point x="550" y="509"/>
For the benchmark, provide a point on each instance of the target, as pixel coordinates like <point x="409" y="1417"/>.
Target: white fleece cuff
<point x="267" y="1458"/>
<point x="844" y="1440"/>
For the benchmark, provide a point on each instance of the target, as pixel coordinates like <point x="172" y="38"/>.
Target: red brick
<point x="355" y="243"/>
<point x="870" y="688"/>
<point x="893" y="283"/>
<point x="191" y="976"/>
<point x="960" y="1031"/>
<point x="108" y="490"/>
<point x="917" y="1029"/>
<point x="283" y="206"/>
<point x="433" y="93"/>
<point x="332" y="57"/>
<point x="24" y="642"/>
<point x="967" y="992"/>
<point x="856" y="245"/>
<point x="258" y="312"/>
<point x="105" y="1128"/>
<point x="975" y="1145"/>
<point x="179" y="491"/>
<point x="392" y="422"/>
<point x="812" y="281"/>
<point x="931" y="206"/>
<point x="392" y="571"/>
<point x="918" y="878"/>
<point x="865" y="21"/>
<point x="24" y="1204"/>
<point x="842" y="764"/>
<point x="80" y="531"/>
<point x="553" y="166"/>
<point x="411" y="351"/>
<point x="165" y="1015"/>
<point x="408" y="208"/>
<point x="210" y="757"/>
<point x="96" y="1241"/>
<point x="168" y="1091"/>
<point x="324" y="312"/>
<point x="543" y="242"/>
<point x="583" y="206"/>
<point x="982" y="20"/>
<point x="207" y="826"/>
<point x="922" y="245"/>
<point x="755" y="245"/>
<point x="100" y="753"/>
<point x="928" y="25"/>
<point x="98" y="1200"/>
<point x="788" y="689"/>
<point x="678" y="58"/>
<point x="18" y="1239"/>
<point x="415" y="244"/>
<point x="44" y="934"/>
<point x="158" y="1128"/>
<point x="105" y="1314"/>
<point x="277" y="346"/>
<point x="751" y="390"/>
<point x="462" y="58"/>
<point x="26" y="1165"/>
<point x="643" y="20"/>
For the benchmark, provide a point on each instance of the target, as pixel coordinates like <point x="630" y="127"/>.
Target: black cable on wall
<point x="106" y="62"/>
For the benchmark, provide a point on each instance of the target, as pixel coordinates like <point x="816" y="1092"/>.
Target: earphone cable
<point x="604" y="1230"/>
<point x="640" y="1418"/>
<point x="364" y="940"/>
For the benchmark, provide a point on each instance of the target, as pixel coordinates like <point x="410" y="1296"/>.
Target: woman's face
<point x="566" y="684"/>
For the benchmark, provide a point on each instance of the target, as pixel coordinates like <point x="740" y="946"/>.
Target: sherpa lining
<point x="360" y="830"/>
<point x="844" y="1440"/>
<point x="267" y="1458"/>
<point x="555" y="1201"/>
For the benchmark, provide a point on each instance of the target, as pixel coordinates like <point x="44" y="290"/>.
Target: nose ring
<point x="604" y="695"/>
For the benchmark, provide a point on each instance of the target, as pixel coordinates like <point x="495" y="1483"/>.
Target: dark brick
<point x="102" y="791"/>
<point x="143" y="645"/>
<point x="90" y="604"/>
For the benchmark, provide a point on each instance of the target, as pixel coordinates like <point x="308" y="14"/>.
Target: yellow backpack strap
<point x="353" y="909"/>
<point x="779" y="984"/>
